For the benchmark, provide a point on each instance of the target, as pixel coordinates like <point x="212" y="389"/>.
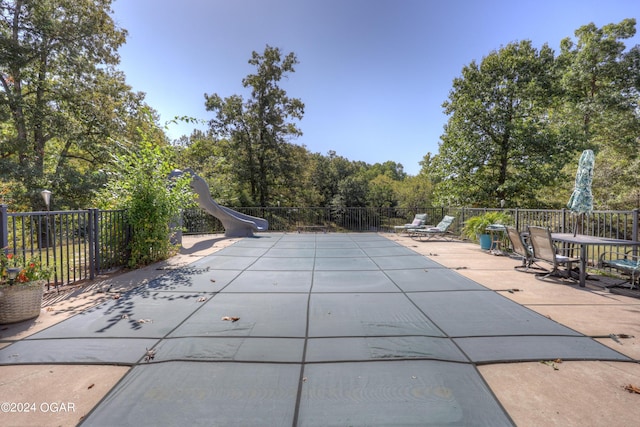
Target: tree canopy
<point x="600" y="83"/>
<point x="517" y="122"/>
<point x="258" y="129"/>
<point x="498" y="133"/>
<point x="519" y="119"/>
<point x="61" y="98"/>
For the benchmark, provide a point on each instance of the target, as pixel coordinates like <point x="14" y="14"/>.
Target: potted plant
<point x="475" y="228"/>
<point x="22" y="285"/>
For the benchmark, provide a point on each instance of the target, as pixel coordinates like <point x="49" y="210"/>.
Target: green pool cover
<point x="305" y="330"/>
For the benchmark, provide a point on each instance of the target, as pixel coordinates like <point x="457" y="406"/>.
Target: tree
<point x="499" y="142"/>
<point x="382" y="192"/>
<point x="60" y="96"/>
<point x="327" y="172"/>
<point x="206" y="155"/>
<point x="352" y="192"/>
<point x="391" y="169"/>
<point x="414" y="192"/>
<point x="600" y="83"/>
<point x="595" y="79"/>
<point x="259" y="128"/>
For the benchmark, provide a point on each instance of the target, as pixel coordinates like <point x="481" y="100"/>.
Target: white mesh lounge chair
<point x="440" y="231"/>
<point x="419" y="221"/>
<point x="545" y="250"/>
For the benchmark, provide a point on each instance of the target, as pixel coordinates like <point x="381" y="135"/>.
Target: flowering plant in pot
<point x="22" y="284"/>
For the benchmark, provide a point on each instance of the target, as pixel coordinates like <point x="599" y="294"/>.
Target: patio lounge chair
<point x="419" y="221"/>
<point x="521" y="249"/>
<point x="625" y="262"/>
<point x="545" y="250"/>
<point x="440" y="231"/>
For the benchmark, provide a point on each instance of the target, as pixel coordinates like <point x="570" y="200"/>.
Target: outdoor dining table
<point x="584" y="241"/>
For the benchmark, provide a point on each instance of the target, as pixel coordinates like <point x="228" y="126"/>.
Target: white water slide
<point x="235" y="224"/>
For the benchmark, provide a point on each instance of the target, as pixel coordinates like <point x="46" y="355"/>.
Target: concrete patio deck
<point x="553" y="393"/>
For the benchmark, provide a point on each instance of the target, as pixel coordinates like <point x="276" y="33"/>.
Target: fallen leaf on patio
<point x="231" y="318"/>
<point x="145" y="321"/>
<point x="213" y="280"/>
<point x="50" y="308"/>
<point x="150" y="355"/>
<point x="116" y="296"/>
<point x="460" y="268"/>
<point x="632" y="389"/>
<point x="202" y="299"/>
<point x="90" y="387"/>
<point x="550" y="363"/>
<point x="125" y="316"/>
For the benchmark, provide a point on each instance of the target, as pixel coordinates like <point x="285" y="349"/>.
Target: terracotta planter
<point x="21" y="301"/>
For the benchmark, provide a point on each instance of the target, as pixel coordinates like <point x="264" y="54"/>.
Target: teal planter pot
<point x="485" y="241"/>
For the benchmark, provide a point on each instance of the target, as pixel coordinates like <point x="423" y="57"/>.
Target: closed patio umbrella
<point x="581" y="200"/>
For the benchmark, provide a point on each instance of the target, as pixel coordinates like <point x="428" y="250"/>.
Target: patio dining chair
<point x="544" y="250"/>
<point x="440" y="231"/>
<point x="627" y="263"/>
<point x="522" y="249"/>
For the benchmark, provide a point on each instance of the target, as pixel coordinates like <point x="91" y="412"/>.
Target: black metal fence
<point x="79" y="245"/>
<point x="610" y="224"/>
<point x="289" y="219"/>
<point x="75" y="245"/>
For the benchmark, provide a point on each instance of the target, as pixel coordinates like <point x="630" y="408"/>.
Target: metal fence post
<point x="634" y="227"/>
<point x="96" y="242"/>
<point x="93" y="239"/>
<point x="4" y="227"/>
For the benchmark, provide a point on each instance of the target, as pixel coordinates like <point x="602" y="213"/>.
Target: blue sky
<point x="373" y="74"/>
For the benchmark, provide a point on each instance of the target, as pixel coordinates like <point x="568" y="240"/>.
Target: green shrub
<point x="142" y="187"/>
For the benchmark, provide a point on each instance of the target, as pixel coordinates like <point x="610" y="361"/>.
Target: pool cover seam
<point x="296" y="409"/>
